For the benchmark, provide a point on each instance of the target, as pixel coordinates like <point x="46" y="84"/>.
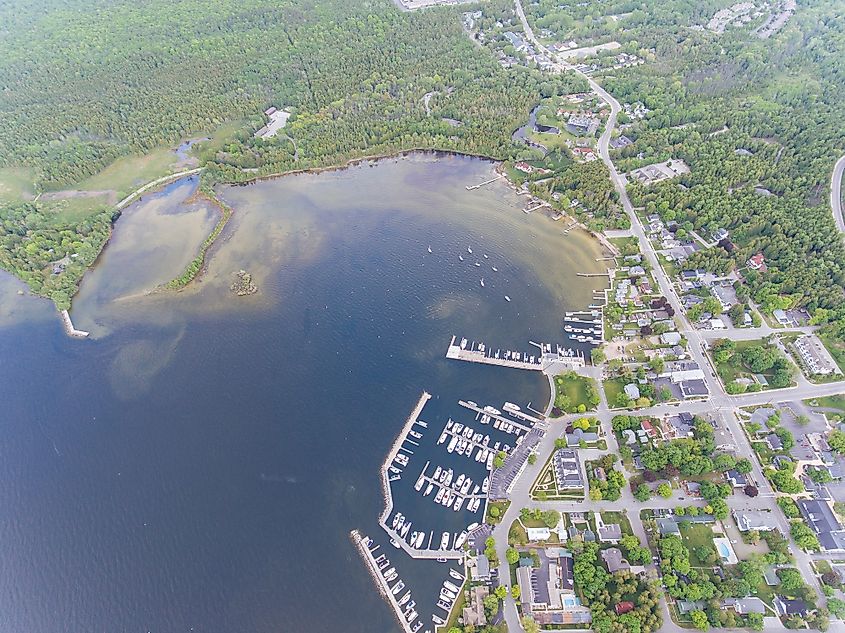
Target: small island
<point x="243" y="284"/>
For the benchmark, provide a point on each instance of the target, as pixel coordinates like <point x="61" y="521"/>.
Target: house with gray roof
<point x="614" y="560"/>
<point x="744" y="606"/>
<point x="755" y="520"/>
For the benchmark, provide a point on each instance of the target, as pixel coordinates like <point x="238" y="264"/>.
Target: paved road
<point x="836" y="194"/>
<point x="719" y="402"/>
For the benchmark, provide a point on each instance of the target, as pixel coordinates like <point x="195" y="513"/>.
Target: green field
<point x="126" y="174"/>
<point x="697" y="536"/>
<point x="572" y="391"/>
<point x="832" y="402"/>
<point x="15" y="184"/>
<point x="835" y="347"/>
<point x="612" y="388"/>
<point x="72" y="210"/>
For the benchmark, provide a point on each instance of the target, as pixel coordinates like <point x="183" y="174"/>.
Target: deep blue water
<point x="204" y="473"/>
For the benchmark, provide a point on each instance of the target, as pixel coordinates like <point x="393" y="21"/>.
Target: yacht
<point x="476" y="489"/>
<point x="449" y="424"/>
<point x="404" y="599"/>
<point x="449" y="474"/>
<point x="414" y="434"/>
<point x="466" y="486"/>
<point x="458" y="504"/>
<point x="418" y="486"/>
<point x="438" y="620"/>
<point x="399" y="586"/>
<point x="413" y="538"/>
<point x="418" y="626"/>
<point x="452" y="442"/>
<point x="429" y="249"/>
<point x="390" y="573"/>
<point x="485" y="256"/>
<point x="471" y="527"/>
<point x="458" y="428"/>
<point x="394" y="543"/>
<point x="444" y="541"/>
<point x="439" y="496"/>
<point x="507" y="298"/>
<point x="448" y="595"/>
<point x="411" y="615"/>
<point x="450" y="586"/>
<point x="437" y="472"/>
<point x="485" y="486"/>
<point x="460" y="481"/>
<point x="419" y="541"/>
<point x="396" y="520"/>
<point x="495" y="270"/>
<point x="442" y="437"/>
<point x="405" y="530"/>
<point x="428" y="489"/>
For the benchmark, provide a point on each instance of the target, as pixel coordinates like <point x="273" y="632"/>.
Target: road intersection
<point x="719" y="403"/>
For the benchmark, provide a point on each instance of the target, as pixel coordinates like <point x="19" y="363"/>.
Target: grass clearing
<point x="835" y="347"/>
<point x="698" y="539"/>
<point x="613" y="387"/>
<point x="16" y="185"/>
<point x="126" y="174"/>
<point x="72" y="210"/>
<point x="572" y="392"/>
<point x="222" y="136"/>
<point x="831" y="402"/>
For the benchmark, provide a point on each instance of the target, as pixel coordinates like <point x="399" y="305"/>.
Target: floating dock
<point x="473" y="352"/>
<point x="499" y="416"/>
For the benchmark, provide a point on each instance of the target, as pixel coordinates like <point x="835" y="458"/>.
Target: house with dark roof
<point x="774" y="442"/>
<point x="821" y="519"/>
<point x="785" y="606"/>
<point x="736" y="479"/>
<point x="614" y="560"/>
<point x="667" y="527"/>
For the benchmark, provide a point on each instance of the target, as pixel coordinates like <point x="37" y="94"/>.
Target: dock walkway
<point x="498" y="416"/>
<point x="473" y="352"/>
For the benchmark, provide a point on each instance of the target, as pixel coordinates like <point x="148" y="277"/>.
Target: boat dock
<point x="69" y="329"/>
<point x="473" y="352"/>
<point x="486" y="182"/>
<point x="382" y="584"/>
<point x="497" y="415"/>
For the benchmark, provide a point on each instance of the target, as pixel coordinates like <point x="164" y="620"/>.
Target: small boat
<point x="449" y="475"/>
<point x="478" y="264"/>
<point x="485" y="256"/>
<point x="469" y="250"/>
<point x="452" y="443"/>
<point x="417" y="627"/>
<point x="482" y="282"/>
<point x="413" y="538"/>
<point x="396" y="520"/>
<point x="485" y="485"/>
<point x="444" y="541"/>
<point x="460" y="481"/>
<point x="390" y="574"/>
<point x="428" y="489"/>
<point x="461" y="257"/>
<point x="495" y="270"/>
<point x="411" y="615"/>
<point x="399" y="586"/>
<point x="465" y="487"/>
<point x="404" y="599"/>
<point x="455" y="574"/>
<point x="450" y="586"/>
<point x="405" y="529"/>
<point x="458" y="428"/>
<point x="462" y="538"/>
<point x="437" y="472"/>
<point x="394" y="543"/>
<point x="415" y="434"/>
<point x="471" y="527"/>
<point x="447" y="595"/>
<point x="458" y="504"/>
<point x="419" y="541"/>
<point x="439" y="496"/>
<point x="507" y="298"/>
<point x="418" y="486"/>
<point x="429" y="249"/>
<point x="437" y="620"/>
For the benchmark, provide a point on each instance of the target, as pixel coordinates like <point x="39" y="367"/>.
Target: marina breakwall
<point x="70" y="330"/>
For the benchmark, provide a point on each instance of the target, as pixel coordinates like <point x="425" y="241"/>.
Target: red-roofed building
<point x="524" y="167"/>
<point x="757" y="262"/>
<point x="649" y="429"/>
<point x="624" y="607"/>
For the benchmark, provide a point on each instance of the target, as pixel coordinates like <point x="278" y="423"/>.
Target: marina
<point x="544" y="360"/>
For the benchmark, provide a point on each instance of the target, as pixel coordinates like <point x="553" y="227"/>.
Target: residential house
<point x="623" y="607"/>
<point x="821" y="519"/>
<point x="632" y="391"/>
<point x="744" y="606"/>
<point x="668" y="526"/>
<point x="473" y="612"/>
<point x="614" y="560"/>
<point x="786" y="607"/>
<point x="774" y="442"/>
<point x="757" y="262"/>
<point x="759" y="520"/>
<point x="609" y="533"/>
<point x="736" y="479"/>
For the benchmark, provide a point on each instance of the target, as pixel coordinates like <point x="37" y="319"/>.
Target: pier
<point x="539" y="205"/>
<point x="388" y="494"/>
<point x="497" y="415"/>
<point x="382" y="584"/>
<point x="473" y="352"/>
<point x="69" y="329"/>
<point x="486" y="182"/>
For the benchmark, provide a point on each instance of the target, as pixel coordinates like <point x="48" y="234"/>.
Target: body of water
<point x="199" y="463"/>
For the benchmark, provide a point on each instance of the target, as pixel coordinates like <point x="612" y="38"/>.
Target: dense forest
<point x="110" y="78"/>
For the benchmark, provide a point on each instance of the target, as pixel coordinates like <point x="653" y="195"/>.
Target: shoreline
<point x="498" y="167"/>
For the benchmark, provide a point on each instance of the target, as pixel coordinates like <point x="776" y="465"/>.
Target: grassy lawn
<point x="15" y="185"/>
<point x="831" y="402"/>
<point x="130" y="172"/>
<point x="517" y="534"/>
<point x="836" y="349"/>
<point x="697" y="535"/>
<point x="734" y="368"/>
<point x="502" y="506"/>
<point x="612" y="388"/>
<point x="71" y="210"/>
<point x="576" y="388"/>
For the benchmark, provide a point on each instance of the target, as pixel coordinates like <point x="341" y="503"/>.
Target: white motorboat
<point x="461" y="257"/>
<point x="485" y="256"/>
<point x="442" y="437"/>
<point x="396" y="520"/>
<point x="429" y="249"/>
<point x="469" y="250"/>
<point x="399" y="586"/>
<point x="389" y="572"/>
<point x="437" y="620"/>
<point x="482" y="282"/>
<point x="458" y="504"/>
<point x="447" y="595"/>
<point x="478" y="264"/>
<point x="466" y="486"/>
<point x="418" y="486"/>
<point x="471" y="527"/>
<point x="444" y="541"/>
<point x="495" y="270"/>
<point x="452" y="443"/>
<point x="485" y="485"/>
<point x="476" y="489"/>
<point x="394" y="543"/>
<point x="450" y="586"/>
<point x="419" y="540"/>
<point x="437" y="472"/>
<point x="507" y="298"/>
<point x="456" y="575"/>
<point x="458" y="428"/>
<point x="449" y="475"/>
<point x="460" y="481"/>
<point x="404" y="599"/>
<point x="428" y="489"/>
<point x="405" y="529"/>
<point x="439" y="496"/>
